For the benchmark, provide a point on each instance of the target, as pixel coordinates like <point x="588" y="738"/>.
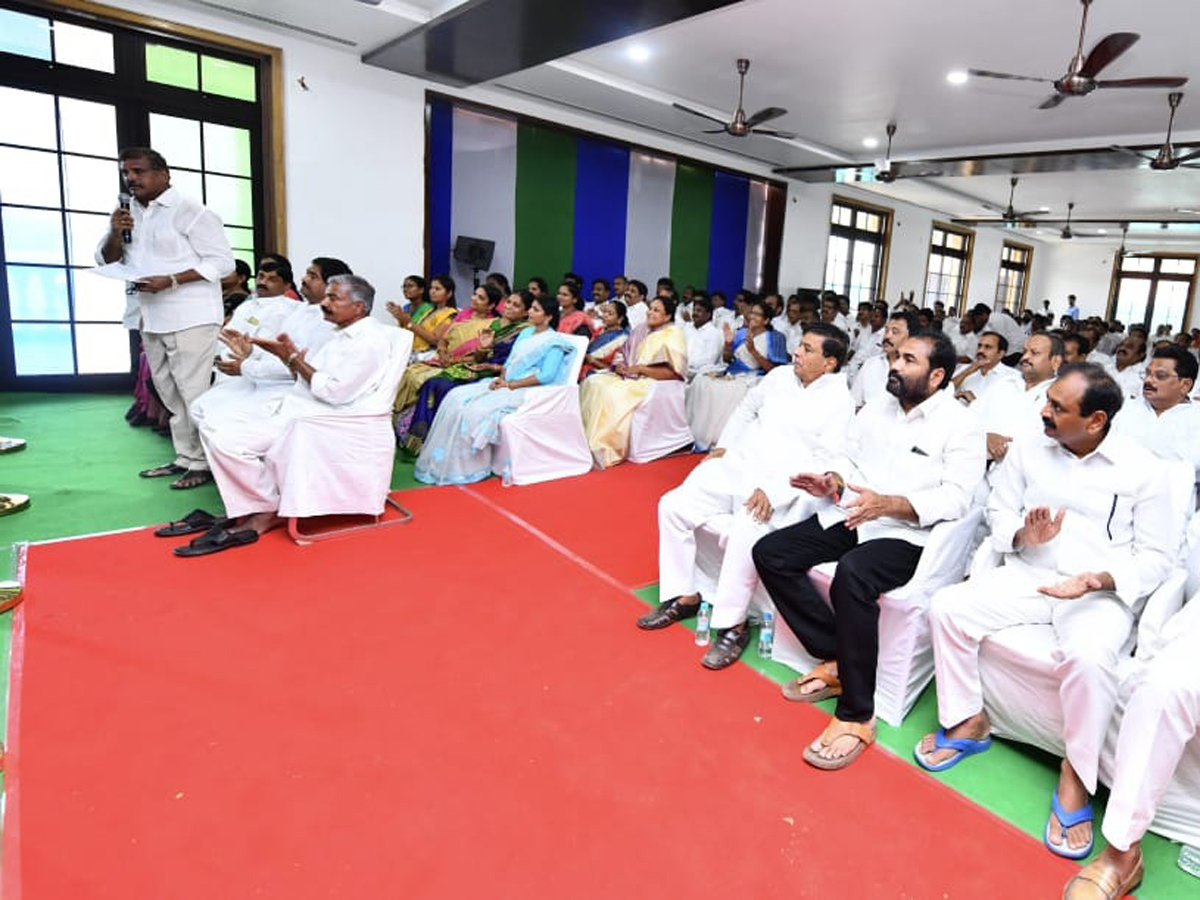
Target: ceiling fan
<point x="887" y="173"/>
<point x="741" y="124"/>
<point x="1166" y="159"/>
<point x="1009" y="215"/>
<point x="1080" y="78"/>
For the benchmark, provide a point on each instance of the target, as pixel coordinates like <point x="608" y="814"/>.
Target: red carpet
<point x="442" y="709"/>
<point x="609" y="518"/>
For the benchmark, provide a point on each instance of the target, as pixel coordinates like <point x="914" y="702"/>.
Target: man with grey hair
<point x="341" y="379"/>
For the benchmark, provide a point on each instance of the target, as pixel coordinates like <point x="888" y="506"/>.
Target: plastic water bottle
<point x="766" y="635"/>
<point x="506" y="477"/>
<point x="702" y="624"/>
<point x="1189" y="859"/>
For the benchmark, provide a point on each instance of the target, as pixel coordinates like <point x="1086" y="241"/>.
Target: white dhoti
<point x="1090" y="633"/>
<point x="238" y="457"/>
<point x="1161" y="719"/>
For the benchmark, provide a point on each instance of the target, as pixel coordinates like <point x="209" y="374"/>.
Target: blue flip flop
<point x="965" y="747"/>
<point x="1068" y="820"/>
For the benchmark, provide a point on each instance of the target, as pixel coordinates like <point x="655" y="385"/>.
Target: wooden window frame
<point x="968" y="257"/>
<point x="1028" y="248"/>
<point x="885" y="234"/>
<point x="1115" y="279"/>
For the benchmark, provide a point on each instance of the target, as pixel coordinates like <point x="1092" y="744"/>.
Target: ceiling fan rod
<point x="1078" y="60"/>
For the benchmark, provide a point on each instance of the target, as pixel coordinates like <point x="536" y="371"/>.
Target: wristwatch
<point x="174" y="282"/>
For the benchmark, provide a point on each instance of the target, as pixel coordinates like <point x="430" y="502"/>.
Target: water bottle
<point x="1189" y="859"/>
<point x="766" y="635"/>
<point x="506" y="478"/>
<point x="702" y="624"/>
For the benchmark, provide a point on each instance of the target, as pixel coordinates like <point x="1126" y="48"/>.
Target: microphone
<point x="123" y="200"/>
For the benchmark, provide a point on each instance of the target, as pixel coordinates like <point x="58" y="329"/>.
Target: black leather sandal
<point x="668" y="614"/>
<point x="728" y="648"/>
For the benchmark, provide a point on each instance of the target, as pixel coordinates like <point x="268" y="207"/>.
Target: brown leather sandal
<point x="794" y="690"/>
<point x="834" y="730"/>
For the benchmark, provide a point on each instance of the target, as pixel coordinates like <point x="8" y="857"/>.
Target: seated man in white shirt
<point x="1164" y="420"/>
<point x="1128" y="367"/>
<point x="871" y="380"/>
<point x="722" y="314"/>
<point x="796" y="416"/>
<point x="704" y="341"/>
<point x="1009" y="412"/>
<point x="1161" y="720"/>
<point x="869" y="341"/>
<point x="972" y="382"/>
<point x="340" y="376"/>
<point x="791" y="324"/>
<point x="1083" y="520"/>
<point x="914" y="458"/>
<point x="635" y="303"/>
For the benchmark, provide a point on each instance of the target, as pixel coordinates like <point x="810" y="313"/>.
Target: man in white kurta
<point x="986" y="371"/>
<point x="871" y="381"/>
<point x="1014" y="411"/>
<point x="797" y="416"/>
<point x="1128" y="367"/>
<point x="704" y="341"/>
<point x="1083" y="518"/>
<point x="342" y="378"/>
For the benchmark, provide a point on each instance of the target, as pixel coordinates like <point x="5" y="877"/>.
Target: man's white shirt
<point x="871" y="380"/>
<point x="704" y="345"/>
<point x="1175" y="434"/>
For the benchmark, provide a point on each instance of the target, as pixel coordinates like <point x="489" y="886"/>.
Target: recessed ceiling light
<point x="870" y="143"/>
<point x="1039" y="231"/>
<point x="638" y="53"/>
<point x="1101" y="231"/>
<point x="957" y="77"/>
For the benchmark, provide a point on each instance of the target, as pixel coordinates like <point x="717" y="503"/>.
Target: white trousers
<point x="238" y="455"/>
<point x="181" y="366"/>
<point x="1090" y="632"/>
<point x="713" y="488"/>
<point x="1161" y="719"/>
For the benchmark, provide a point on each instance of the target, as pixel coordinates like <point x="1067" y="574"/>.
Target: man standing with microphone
<point x="184" y="245"/>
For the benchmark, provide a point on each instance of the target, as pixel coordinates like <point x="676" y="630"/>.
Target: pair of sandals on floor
<point x="216" y="533"/>
<point x="185" y="478"/>
<point x="830" y="686"/>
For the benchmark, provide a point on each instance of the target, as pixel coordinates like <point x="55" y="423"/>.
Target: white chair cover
<point x="543" y="439"/>
<point x="660" y="425"/>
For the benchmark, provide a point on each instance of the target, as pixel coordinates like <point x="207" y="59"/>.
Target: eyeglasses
<point x="1161" y="374"/>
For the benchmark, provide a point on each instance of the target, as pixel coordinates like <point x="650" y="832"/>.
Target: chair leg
<point x="309" y="537"/>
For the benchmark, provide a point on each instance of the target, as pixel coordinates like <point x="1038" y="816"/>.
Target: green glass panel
<point x="98" y="299"/>
<point x="240" y="238"/>
<point x="167" y="65"/>
<point x="88" y="127"/>
<point x="24" y="35"/>
<point x="33" y="236"/>
<point x="84" y="232"/>
<point x="35" y="292"/>
<point x="88" y="48"/>
<point x="29" y="177"/>
<point x="91" y="185"/>
<point x="43" y="349"/>
<point x="230" y="198"/>
<point x="190" y="184"/>
<point x="229" y="79"/>
<point x="28" y="119"/>
<point x="177" y="139"/>
<point x="102" y="349"/>
<point x="247" y="256"/>
<point x="226" y="149"/>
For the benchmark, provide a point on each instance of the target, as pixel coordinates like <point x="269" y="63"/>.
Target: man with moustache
<point x="973" y="381"/>
<point x="914" y="458"/>
<point x="1082" y="519"/>
<point x="1164" y="420"/>
<point x="871" y="380"/>
<point x="1008" y="412"/>
<point x="1128" y="367"/>
<point x="336" y="381"/>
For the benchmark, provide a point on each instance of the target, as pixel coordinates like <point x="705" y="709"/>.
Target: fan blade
<point x="786" y="135"/>
<point x="1028" y="213"/>
<point x="1052" y="101"/>
<point x="1106" y="51"/>
<point x="984" y="73"/>
<point x="696" y="112"/>
<point x="765" y="115"/>
<point x="1187" y="157"/>
<point x="927" y="173"/>
<point x="713" y="131"/>
<point x="1117" y="148"/>
<point x="1157" y="82"/>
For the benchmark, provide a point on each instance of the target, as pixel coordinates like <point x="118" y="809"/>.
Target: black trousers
<point x="849" y="632"/>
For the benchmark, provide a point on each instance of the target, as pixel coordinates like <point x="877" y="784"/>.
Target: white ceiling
<point x="843" y="70"/>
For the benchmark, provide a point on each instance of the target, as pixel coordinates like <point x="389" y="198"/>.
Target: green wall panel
<point x="691" y="225"/>
<point x="545" y="204"/>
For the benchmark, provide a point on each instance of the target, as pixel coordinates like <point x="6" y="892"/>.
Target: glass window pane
<point x="29" y="177"/>
<point x="24" y="35"/>
<point x="33" y="236"/>
<point x="1170" y="303"/>
<point x="91" y="184"/>
<point x="97" y="299"/>
<point x="88" y="127"/>
<point x="166" y="65"/>
<point x="229" y="198"/>
<point x="84" y="232"/>
<point x="229" y="79"/>
<point x="102" y="349"/>
<point x="938" y="237"/>
<point x="188" y="183"/>
<point x="226" y="149"/>
<point x="1137" y="264"/>
<point x="240" y="238"/>
<point x="87" y="48"/>
<point x="247" y="256"/>
<point x="1132" y="296"/>
<point x="43" y="349"/>
<point x="178" y="140"/>
<point x="28" y="119"/>
<point x="38" y="293"/>
<point x="1178" y="266"/>
<point x="954" y="241"/>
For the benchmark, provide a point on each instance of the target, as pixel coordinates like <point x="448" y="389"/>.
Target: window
<point x="73" y="93"/>
<point x="858" y="244"/>
<point x="1153" y="290"/>
<point x="949" y="267"/>
<point x="1013" y="281"/>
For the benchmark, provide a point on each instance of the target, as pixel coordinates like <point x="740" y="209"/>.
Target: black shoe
<point x="728" y="647"/>
<point x="668" y="614"/>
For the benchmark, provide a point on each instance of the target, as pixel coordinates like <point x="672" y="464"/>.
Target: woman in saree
<point x="608" y="400"/>
<point x="457" y="344"/>
<point x="751" y="352"/>
<point x="487" y="360"/>
<point x="603" y="352"/>
<point x="573" y="319"/>
<point x="466" y="429"/>
<point x="431" y="318"/>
